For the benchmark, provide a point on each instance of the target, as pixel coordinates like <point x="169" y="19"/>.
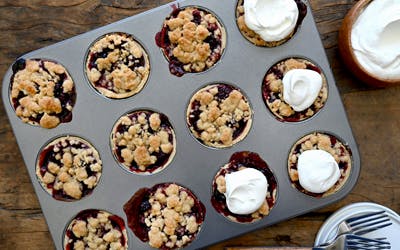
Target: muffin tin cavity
<point x="167" y="215"/>
<point x="117" y="66"/>
<point x="273" y="90"/>
<point x="192" y="39"/>
<point x="42" y="92"/>
<point x="237" y="162"/>
<point x="96" y="229"/>
<point x="255" y="38"/>
<point x="69" y="168"/>
<point x="219" y="115"/>
<point x="326" y="142"/>
<point x="143" y="141"/>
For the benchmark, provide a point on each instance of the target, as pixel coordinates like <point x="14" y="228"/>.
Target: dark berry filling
<point x="248" y="160"/>
<point x="48" y="155"/>
<point x="66" y="99"/>
<point x="136" y="207"/>
<point x="162" y="158"/>
<point x="116" y="221"/>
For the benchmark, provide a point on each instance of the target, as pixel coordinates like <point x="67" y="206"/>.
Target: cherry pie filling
<point x="214" y="40"/>
<point x="69" y="168"/>
<point x="162" y="157"/>
<point x="43" y="82"/>
<point x="238" y="126"/>
<point x="276" y="73"/>
<point x="331" y="144"/>
<point x="92" y="224"/>
<point x="156" y="207"/>
<point x="238" y="161"/>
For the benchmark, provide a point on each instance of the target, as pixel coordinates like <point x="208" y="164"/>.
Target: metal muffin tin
<point x="194" y="165"/>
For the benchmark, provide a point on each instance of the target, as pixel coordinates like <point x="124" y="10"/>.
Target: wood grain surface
<point x="374" y="115"/>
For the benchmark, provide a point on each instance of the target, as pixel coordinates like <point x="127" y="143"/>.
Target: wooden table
<point x="374" y="115"/>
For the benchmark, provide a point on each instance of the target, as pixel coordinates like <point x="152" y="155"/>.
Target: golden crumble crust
<point x="69" y="168"/>
<point x="272" y="90"/>
<point x="328" y="143"/>
<point x="96" y="229"/>
<point x="117" y="66"/>
<point x="143" y="141"/>
<point x="42" y="92"/>
<point x="219" y="119"/>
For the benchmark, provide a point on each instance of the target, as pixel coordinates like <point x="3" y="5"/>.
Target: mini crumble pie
<point x="96" y="229"/>
<point x="219" y="115"/>
<point x="272" y="91"/>
<point x="256" y="39"/>
<point x="69" y="168"/>
<point x="143" y="141"/>
<point x="328" y="143"/>
<point x="168" y="216"/>
<point x="192" y="39"/>
<point x="239" y="161"/>
<point x="117" y="66"/>
<point x="42" y="92"/>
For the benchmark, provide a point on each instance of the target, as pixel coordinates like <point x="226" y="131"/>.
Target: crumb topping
<point x="143" y="141"/>
<point x="98" y="230"/>
<point x="273" y="91"/>
<point x="117" y="66"/>
<point x="218" y="118"/>
<point x="324" y="142"/>
<point x="69" y="168"/>
<point x="42" y="92"/>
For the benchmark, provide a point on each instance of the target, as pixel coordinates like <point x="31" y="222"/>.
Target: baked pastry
<point x="143" y="141"/>
<point x="192" y="39"/>
<point x="255" y="38"/>
<point x="42" y="92"/>
<point x="168" y="216"/>
<point x="324" y="142"/>
<point x="219" y="115"/>
<point x="117" y="66"/>
<point x="96" y="229"/>
<point x="69" y="168"/>
<point x="240" y="161"/>
<point x="273" y="89"/>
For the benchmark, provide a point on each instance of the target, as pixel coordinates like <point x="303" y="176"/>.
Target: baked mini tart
<point x="117" y="66"/>
<point x="96" y="229"/>
<point x="143" y="141"/>
<point x="42" y="92"/>
<point x="328" y="143"/>
<point x="219" y="115"/>
<point x="167" y="215"/>
<point x="192" y="39"/>
<point x="69" y="168"/>
<point x="256" y="39"/>
<point x="239" y="161"/>
<point x="272" y="91"/>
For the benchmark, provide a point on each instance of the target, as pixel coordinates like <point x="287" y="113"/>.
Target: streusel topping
<point x="69" y="168"/>
<point x="117" y="66"/>
<point x="143" y="141"/>
<point x="328" y="143"/>
<point x="42" y="92"/>
<point x="219" y="115"/>
<point x="170" y="216"/>
<point x="96" y="229"/>
<point x="272" y="90"/>
<point x="192" y="39"/>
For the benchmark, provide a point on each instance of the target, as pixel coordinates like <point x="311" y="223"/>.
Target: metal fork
<point x="353" y="242"/>
<point x="365" y="223"/>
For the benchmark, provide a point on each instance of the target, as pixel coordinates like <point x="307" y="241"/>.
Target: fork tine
<point x="358" y="242"/>
<point x="364" y="230"/>
<point x="354" y="221"/>
<point x="349" y="220"/>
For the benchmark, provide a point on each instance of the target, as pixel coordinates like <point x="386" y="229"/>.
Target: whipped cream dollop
<point x="273" y="20"/>
<point x="246" y="190"/>
<point x="318" y="171"/>
<point x="301" y="87"/>
<point x="375" y="38"/>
